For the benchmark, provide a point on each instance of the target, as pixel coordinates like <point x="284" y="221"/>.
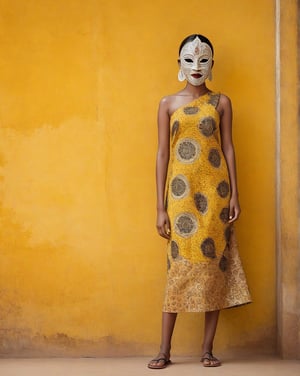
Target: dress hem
<point x="210" y="310"/>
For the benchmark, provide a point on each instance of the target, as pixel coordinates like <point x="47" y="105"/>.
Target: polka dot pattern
<point x="208" y="248"/>
<point x="214" y="158"/>
<point x="191" y="110"/>
<point x="223" y="189"/>
<point x="207" y="126"/>
<point x="175" y="127"/>
<point x="187" y="150"/>
<point x="214" y="99"/>
<point x="179" y="186"/>
<point x="224" y="215"/>
<point x="223" y="263"/>
<point x="185" y="224"/>
<point x="200" y="202"/>
<point x="174" y="249"/>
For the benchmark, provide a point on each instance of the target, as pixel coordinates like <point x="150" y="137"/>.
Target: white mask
<point x="195" y="62"/>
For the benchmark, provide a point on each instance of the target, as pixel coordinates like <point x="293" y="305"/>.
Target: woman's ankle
<point x="165" y="349"/>
<point x="207" y="348"/>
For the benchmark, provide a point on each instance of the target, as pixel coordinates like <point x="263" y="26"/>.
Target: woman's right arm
<point x="162" y="161"/>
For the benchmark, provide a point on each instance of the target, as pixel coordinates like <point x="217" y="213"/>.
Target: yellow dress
<point x="204" y="268"/>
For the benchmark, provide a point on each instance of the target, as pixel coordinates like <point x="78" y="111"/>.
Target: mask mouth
<point x="196" y="75"/>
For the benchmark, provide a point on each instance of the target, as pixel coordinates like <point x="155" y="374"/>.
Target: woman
<point x="197" y="201"/>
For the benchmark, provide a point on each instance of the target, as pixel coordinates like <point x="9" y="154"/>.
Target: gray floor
<point x="266" y="366"/>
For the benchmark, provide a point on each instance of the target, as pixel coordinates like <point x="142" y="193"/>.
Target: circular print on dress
<point x="214" y="158"/>
<point x="207" y="126"/>
<point x="179" y="186"/>
<point x="187" y="150"/>
<point x="200" y="202"/>
<point x="185" y="224"/>
<point x="224" y="215"/>
<point x="208" y="248"/>
<point x="223" y="189"/>
<point x="175" y="127"/>
<point x="223" y="263"/>
<point x="174" y="249"/>
<point x="191" y="110"/>
<point x="214" y="99"/>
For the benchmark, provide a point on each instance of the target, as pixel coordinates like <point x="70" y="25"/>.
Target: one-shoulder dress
<point x="204" y="268"/>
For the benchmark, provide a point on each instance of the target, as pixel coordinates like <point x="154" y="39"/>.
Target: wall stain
<point x="23" y="343"/>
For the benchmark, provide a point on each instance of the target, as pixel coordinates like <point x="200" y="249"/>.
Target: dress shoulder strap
<point x="214" y="99"/>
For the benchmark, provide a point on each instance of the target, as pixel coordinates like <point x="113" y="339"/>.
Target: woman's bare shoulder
<point x="224" y="104"/>
<point x="224" y="100"/>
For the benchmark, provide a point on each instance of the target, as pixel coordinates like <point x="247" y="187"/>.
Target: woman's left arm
<point x="225" y="110"/>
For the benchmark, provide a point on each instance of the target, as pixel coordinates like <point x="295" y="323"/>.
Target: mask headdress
<point x="197" y="41"/>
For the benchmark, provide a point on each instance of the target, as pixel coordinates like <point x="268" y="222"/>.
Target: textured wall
<point x="82" y="270"/>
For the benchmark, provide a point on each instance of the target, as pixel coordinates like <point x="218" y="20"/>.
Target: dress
<point x="204" y="268"/>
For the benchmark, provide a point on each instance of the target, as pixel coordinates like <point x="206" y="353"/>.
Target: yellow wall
<point x="82" y="270"/>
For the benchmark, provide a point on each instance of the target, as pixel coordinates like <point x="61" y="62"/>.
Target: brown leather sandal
<point x="209" y="360"/>
<point x="164" y="360"/>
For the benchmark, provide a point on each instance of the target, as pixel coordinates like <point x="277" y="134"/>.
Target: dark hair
<point x="190" y="38"/>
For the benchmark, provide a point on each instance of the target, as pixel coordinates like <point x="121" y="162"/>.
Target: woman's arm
<point x="162" y="161"/>
<point x="225" y="110"/>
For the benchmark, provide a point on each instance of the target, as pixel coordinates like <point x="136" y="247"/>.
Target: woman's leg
<point x="168" y="323"/>
<point x="210" y="327"/>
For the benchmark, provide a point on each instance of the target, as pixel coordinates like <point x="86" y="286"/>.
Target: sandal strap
<point x="159" y="359"/>
<point x="163" y="357"/>
<point x="155" y="363"/>
<point x="209" y="357"/>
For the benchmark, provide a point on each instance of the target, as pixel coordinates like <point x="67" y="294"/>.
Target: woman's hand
<point x="234" y="209"/>
<point x="163" y="224"/>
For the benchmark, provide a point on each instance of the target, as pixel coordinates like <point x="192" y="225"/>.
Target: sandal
<point x="160" y="362"/>
<point x="209" y="360"/>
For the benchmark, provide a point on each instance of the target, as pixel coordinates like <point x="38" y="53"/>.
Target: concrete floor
<point x="265" y="366"/>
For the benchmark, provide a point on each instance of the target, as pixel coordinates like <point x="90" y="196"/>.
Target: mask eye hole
<point x="188" y="60"/>
<point x="203" y="60"/>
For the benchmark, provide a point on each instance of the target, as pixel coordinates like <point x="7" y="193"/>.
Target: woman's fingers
<point x="164" y="230"/>
<point x="231" y="213"/>
<point x="168" y="228"/>
<point x="234" y="213"/>
<point x="232" y="219"/>
<point x="163" y="224"/>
